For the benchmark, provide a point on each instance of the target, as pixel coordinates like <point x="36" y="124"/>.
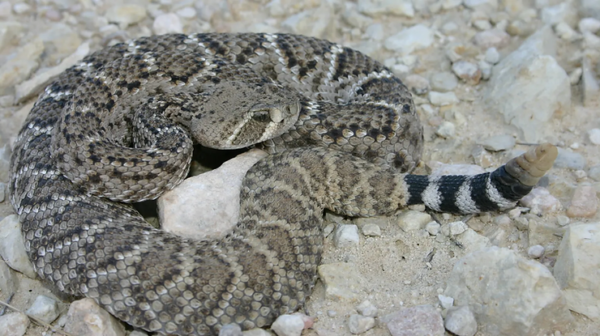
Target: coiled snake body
<point x="119" y="128"/>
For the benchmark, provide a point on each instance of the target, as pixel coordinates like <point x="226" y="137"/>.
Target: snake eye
<point x="261" y="116"/>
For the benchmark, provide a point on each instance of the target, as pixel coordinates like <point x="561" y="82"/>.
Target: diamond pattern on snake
<point x="119" y="127"/>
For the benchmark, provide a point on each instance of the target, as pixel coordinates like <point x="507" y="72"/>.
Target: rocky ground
<point x="490" y="78"/>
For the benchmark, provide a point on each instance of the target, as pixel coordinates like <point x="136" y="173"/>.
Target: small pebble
<point x="492" y="55"/>
<point x="443" y="81"/>
<point x="21" y="8"/>
<point x="467" y="71"/>
<point x="461" y="321"/>
<point x="442" y="98"/>
<point x="230" y="330"/>
<point x="331" y="313"/>
<point x="366" y="308"/>
<point x="457" y="228"/>
<point x="44" y="308"/>
<point x="589" y="25"/>
<point x="498" y="142"/>
<point x="13" y="324"/>
<point x="445" y="301"/>
<point x="575" y="76"/>
<point x="594" y="135"/>
<point x="433" y="228"/>
<point x="562" y="220"/>
<point x="167" y="23"/>
<point x="413" y="220"/>
<point x="536" y="251"/>
<point x="584" y="202"/>
<point x="417" y="84"/>
<point x="446" y="130"/>
<point x="568" y="159"/>
<point x="288" y="325"/>
<point x="328" y="229"/>
<point x="371" y="230"/>
<point x="359" y="324"/>
<point x="346" y="235"/>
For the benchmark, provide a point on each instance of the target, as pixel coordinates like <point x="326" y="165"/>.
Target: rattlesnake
<point x="120" y="125"/>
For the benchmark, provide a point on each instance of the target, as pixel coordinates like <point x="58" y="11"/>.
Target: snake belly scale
<point x="119" y="128"/>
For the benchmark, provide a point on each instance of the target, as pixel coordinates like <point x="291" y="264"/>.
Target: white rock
<point x="12" y="246"/>
<point x="346" y="235"/>
<point x="256" y="332"/>
<point x="288" y="325"/>
<point x="449" y="4"/>
<point x="355" y="19"/>
<point x="492" y="38"/>
<point x="528" y="86"/>
<point x="375" y="32"/>
<point x="166" y="24"/>
<point x="445" y="301"/>
<point x="563" y="12"/>
<point x="457" y="228"/>
<point x="594" y="135"/>
<point x="186" y="13"/>
<point x="5" y="10"/>
<point x="410" y="39"/>
<point x="231" y="330"/>
<point x="379" y="7"/>
<point x="44" y="308"/>
<point x="521" y="296"/>
<point x="13" y="324"/>
<point x="535" y="251"/>
<point x="413" y="220"/>
<point x="589" y="83"/>
<point x="417" y="84"/>
<point x="442" y="98"/>
<point x="21" y="65"/>
<point x="482" y="24"/>
<point x="85" y="317"/>
<point x="540" y="201"/>
<point x="372" y="230"/>
<point x="9" y="32"/>
<point x="577" y="268"/>
<point x="461" y="321"/>
<point x="21" y="8"/>
<point x="433" y="228"/>
<point x="446" y="129"/>
<point x="473" y="241"/>
<point x="30" y="87"/>
<point x="589" y="25"/>
<point x="476" y="3"/>
<point x="366" y="308"/>
<point x="443" y="81"/>
<point x="492" y="55"/>
<point x="498" y="142"/>
<point x="342" y="281"/>
<point x="575" y="76"/>
<point x="565" y="32"/>
<point x="126" y="14"/>
<point x="8" y="281"/>
<point x="211" y="200"/>
<point x="467" y="71"/>
<point x="311" y="22"/>
<point x="359" y="324"/>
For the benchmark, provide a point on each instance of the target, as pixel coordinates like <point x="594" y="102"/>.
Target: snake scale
<point x="119" y="127"/>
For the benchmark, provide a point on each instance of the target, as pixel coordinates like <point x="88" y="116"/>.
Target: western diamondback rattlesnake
<point x="119" y="127"/>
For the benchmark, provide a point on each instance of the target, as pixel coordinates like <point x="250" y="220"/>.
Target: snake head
<point x="238" y="115"/>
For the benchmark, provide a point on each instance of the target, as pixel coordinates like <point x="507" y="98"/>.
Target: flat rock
<point x="461" y="321"/>
<point x="509" y="294"/>
<point x="13" y="324"/>
<point x="498" y="142"/>
<point x="584" y="202"/>
<point x="12" y="246"/>
<point x="413" y="220"/>
<point x="342" y="281"/>
<point x="207" y="205"/>
<point x="422" y="320"/>
<point x="528" y="87"/>
<point x="577" y="268"/>
<point x="85" y="317"/>
<point x="43" y="308"/>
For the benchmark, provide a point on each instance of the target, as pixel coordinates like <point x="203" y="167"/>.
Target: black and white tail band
<point x="498" y="190"/>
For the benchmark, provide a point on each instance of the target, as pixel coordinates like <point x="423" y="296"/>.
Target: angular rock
<point x="372" y="230"/>
<point x="21" y="65"/>
<point x="491" y="38"/>
<point x="13" y="324"/>
<point x="168" y="23"/>
<point x="126" y="14"/>
<point x="12" y="246"/>
<point x="8" y="282"/>
<point x="498" y="142"/>
<point x="508" y="294"/>
<point x="342" y="281"/>
<point x="211" y="200"/>
<point x="410" y="39"/>
<point x="359" y="324"/>
<point x="577" y="268"/>
<point x="589" y="84"/>
<point x="422" y="320"/>
<point x="528" y="87"/>
<point x="85" y="317"/>
<point x="461" y="321"/>
<point x="366" y="308"/>
<point x="9" y="32"/>
<point x="569" y="159"/>
<point x="443" y="81"/>
<point x="584" y="202"/>
<point x="291" y="325"/>
<point x="312" y="22"/>
<point x="44" y="308"/>
<point x="442" y="98"/>
<point x="231" y="330"/>
<point x="413" y="220"/>
<point x="378" y="7"/>
<point x="346" y="235"/>
<point x="467" y="71"/>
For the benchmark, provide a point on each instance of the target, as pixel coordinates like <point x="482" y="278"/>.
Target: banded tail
<point x="498" y="190"/>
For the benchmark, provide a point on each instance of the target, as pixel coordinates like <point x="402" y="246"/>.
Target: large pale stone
<point x="509" y="294"/>
<point x="528" y="87"/>
<point x="207" y="205"/>
<point x="577" y="269"/>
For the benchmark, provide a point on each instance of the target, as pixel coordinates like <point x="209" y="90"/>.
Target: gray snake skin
<point x="119" y="127"/>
